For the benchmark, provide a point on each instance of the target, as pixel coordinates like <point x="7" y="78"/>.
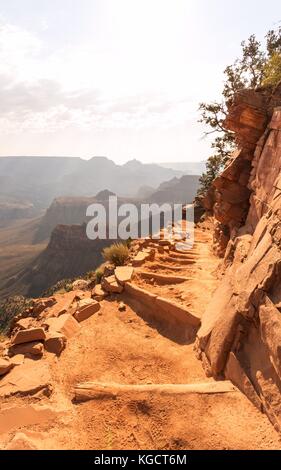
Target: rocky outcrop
<point x="69" y="254"/>
<point x="240" y="335"/>
<point x="250" y="113"/>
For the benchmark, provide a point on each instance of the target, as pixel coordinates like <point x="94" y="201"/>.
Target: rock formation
<point x="240" y="334"/>
<point x="69" y="254"/>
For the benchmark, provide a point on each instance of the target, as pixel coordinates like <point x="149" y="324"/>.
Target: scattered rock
<point x="42" y="304"/>
<point x="86" y="308"/>
<point x="63" y="305"/>
<point x="24" y="323"/>
<point x="121" y="307"/>
<point x="124" y="274"/>
<point x="34" y="348"/>
<point x="65" y="324"/>
<point x="110" y="284"/>
<point x="99" y="293"/>
<point x="140" y="259"/>
<point x="26" y="336"/>
<point x="55" y="343"/>
<point x="5" y="366"/>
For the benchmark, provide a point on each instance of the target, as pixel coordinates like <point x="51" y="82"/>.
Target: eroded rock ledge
<point x="240" y="335"/>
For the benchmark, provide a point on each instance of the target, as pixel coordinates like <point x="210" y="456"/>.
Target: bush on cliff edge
<point x="117" y="254"/>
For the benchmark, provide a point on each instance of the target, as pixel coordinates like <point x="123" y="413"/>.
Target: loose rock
<point x="26" y="336"/>
<point x="5" y="366"/>
<point x="86" y="308"/>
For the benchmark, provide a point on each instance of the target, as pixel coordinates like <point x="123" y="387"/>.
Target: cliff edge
<point x="240" y="333"/>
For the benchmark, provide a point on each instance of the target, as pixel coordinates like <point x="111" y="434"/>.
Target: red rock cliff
<point x="240" y="336"/>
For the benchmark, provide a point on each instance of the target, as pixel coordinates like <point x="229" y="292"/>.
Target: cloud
<point x="43" y="105"/>
<point x="38" y="93"/>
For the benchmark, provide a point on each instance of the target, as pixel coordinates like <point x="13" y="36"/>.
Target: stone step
<point x="170" y="259"/>
<point x="162" y="278"/>
<point x="162" y="309"/>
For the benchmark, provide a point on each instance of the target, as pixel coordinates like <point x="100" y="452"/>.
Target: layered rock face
<point x="240" y="335"/>
<point x="69" y="254"/>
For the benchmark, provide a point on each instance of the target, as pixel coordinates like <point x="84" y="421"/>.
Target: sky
<point x="117" y="78"/>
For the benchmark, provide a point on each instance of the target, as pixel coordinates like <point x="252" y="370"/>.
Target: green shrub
<point x="99" y="273"/>
<point x="62" y="286"/>
<point x="11" y="307"/>
<point x="117" y="254"/>
<point x="272" y="70"/>
<point x="90" y="276"/>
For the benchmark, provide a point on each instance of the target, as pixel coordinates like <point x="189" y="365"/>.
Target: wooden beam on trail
<point x="96" y="390"/>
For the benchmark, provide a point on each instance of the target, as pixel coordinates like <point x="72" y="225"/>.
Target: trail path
<point x="127" y="351"/>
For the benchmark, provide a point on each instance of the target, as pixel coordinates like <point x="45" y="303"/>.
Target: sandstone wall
<point x="240" y="336"/>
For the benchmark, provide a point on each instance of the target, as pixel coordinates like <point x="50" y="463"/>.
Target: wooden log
<point x="97" y="391"/>
<point x="163" y="278"/>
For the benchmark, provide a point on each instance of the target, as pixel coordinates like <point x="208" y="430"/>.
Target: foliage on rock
<point x="11" y="307"/>
<point x="64" y="285"/>
<point x="272" y="70"/>
<point x="259" y="64"/>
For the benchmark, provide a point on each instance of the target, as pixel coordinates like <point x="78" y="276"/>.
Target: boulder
<point x="80" y="284"/>
<point x="111" y="285"/>
<point x="29" y="335"/>
<point x="55" y="343"/>
<point x="65" y="324"/>
<point x="34" y="348"/>
<point x="86" y="308"/>
<point x="5" y="366"/>
<point x="124" y="274"/>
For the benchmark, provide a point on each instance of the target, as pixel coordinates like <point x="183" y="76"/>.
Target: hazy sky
<point x="121" y="78"/>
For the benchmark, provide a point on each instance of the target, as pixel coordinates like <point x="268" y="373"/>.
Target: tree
<point x="213" y="168"/>
<point x="272" y="70"/>
<point x="255" y="65"/>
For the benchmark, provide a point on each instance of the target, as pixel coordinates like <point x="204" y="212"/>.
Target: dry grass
<point x="117" y="254"/>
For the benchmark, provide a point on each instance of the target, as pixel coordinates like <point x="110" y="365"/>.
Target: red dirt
<point x="122" y="347"/>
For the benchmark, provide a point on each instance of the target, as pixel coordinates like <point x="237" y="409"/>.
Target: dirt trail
<point x="127" y="347"/>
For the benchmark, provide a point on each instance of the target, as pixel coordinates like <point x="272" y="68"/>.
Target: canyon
<point x="176" y="349"/>
<point x="37" y="253"/>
